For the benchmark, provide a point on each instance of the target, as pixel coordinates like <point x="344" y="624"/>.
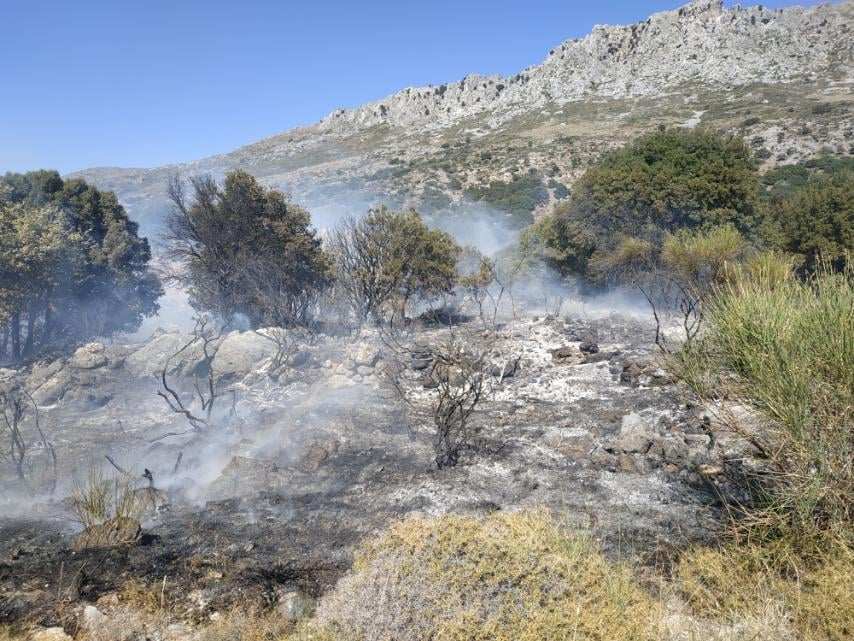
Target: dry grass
<point x="100" y="499"/>
<point x="7" y="634"/>
<point x="508" y="577"/>
<point x="735" y="584"/>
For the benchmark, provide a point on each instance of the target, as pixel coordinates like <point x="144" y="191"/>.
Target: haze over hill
<point x="781" y="78"/>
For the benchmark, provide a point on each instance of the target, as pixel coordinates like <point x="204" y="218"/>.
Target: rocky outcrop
<point x="702" y="41"/>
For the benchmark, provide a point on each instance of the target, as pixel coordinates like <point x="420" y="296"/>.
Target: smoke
<point x="478" y="225"/>
<point x="272" y="421"/>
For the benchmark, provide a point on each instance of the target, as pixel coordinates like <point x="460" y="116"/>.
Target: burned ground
<point x="324" y="454"/>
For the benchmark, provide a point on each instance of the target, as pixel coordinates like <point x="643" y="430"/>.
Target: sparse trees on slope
<point x="247" y="250"/>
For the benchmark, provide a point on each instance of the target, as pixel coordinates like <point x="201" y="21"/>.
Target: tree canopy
<point x="659" y="183"/>
<point x="815" y="219"/>
<point x="247" y="250"/>
<point x="72" y="265"/>
<point x="389" y="255"/>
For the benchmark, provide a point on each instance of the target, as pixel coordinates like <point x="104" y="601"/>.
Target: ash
<point x="315" y="456"/>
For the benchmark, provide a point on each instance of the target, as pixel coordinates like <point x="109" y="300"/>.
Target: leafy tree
<point x="247" y="250"/>
<point x="72" y="265"/>
<point x="660" y="183"/>
<point x="392" y="256"/>
<point x="815" y="220"/>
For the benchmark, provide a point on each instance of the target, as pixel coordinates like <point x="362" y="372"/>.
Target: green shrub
<point x="786" y="347"/>
<point x="658" y="184"/>
<point x="519" y="197"/>
<point x="816" y="220"/>
<point x="247" y="250"/>
<point x="390" y="258"/>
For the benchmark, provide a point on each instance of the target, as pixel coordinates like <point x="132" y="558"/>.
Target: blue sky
<point x="151" y="82"/>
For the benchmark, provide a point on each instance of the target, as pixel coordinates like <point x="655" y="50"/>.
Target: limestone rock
<point x="50" y="634"/>
<point x="240" y="353"/>
<point x="635" y="436"/>
<point x="90" y="356"/>
<point x="153" y="356"/>
<point x="92" y="618"/>
<point x="365" y="355"/>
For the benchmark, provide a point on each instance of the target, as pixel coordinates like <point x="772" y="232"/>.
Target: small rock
<point x="602" y="458"/>
<point x="635" y="435"/>
<point x="567" y="355"/>
<point x="420" y="362"/>
<point x="506" y="370"/>
<point x="366" y="355"/>
<point x="295" y="606"/>
<point x="299" y="359"/>
<point x="364" y="370"/>
<point x="50" y="634"/>
<point x="93" y="618"/>
<point x="91" y="356"/>
<point x="588" y="347"/>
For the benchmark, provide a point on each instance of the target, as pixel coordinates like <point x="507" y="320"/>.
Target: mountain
<point x="781" y="78"/>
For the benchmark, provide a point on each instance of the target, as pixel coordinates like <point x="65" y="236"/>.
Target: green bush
<point x="816" y="220"/>
<point x="247" y="250"/>
<point x="786" y="347"/>
<point x="519" y="197"/>
<point x="390" y="258"/>
<point x="658" y="184"/>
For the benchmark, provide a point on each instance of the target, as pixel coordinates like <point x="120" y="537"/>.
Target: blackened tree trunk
<point x="16" y="336"/>
<point x="4" y="340"/>
<point x="29" y="345"/>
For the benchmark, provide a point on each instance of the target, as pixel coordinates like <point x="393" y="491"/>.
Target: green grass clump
<point x="508" y="577"/>
<point x="790" y="350"/>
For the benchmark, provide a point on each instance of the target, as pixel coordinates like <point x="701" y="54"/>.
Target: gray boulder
<point x="152" y="357"/>
<point x="636" y="435"/>
<point x="90" y="356"/>
<point x="241" y="353"/>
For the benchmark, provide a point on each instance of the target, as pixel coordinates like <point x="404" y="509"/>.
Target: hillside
<point x="781" y="78"/>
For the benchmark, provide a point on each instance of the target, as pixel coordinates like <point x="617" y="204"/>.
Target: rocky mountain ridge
<point x="702" y="40"/>
<point x="780" y="78"/>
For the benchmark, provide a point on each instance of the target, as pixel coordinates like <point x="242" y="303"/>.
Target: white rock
<point x="90" y="356"/>
<point x="93" y="618"/>
<point x="636" y="435"/>
<point x="50" y="634"/>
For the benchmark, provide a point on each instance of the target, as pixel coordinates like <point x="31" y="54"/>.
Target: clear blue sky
<point x="149" y="82"/>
